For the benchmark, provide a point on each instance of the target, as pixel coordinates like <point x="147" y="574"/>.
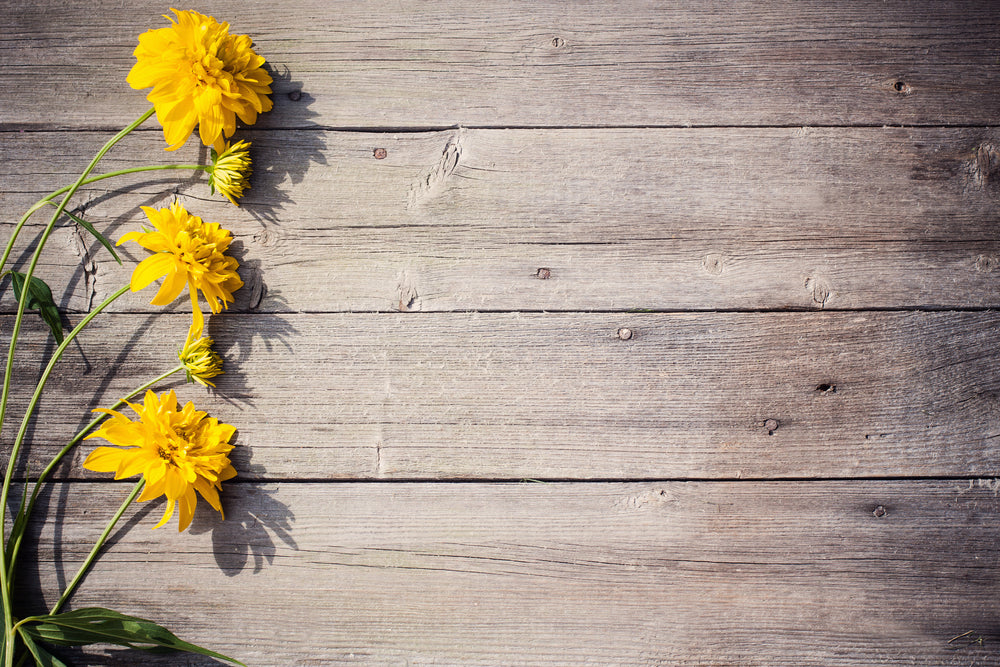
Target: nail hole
<point x="380" y="153"/>
<point x="543" y="273"/>
<point x="879" y="512"/>
<point x="295" y="95"/>
<point x="827" y="388"/>
<point x="558" y="42"/>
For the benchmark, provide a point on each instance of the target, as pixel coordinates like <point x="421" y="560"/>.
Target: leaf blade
<point x="91" y="625"/>
<point x="42" y="657"/>
<point x="40" y="299"/>
<point x="96" y="234"/>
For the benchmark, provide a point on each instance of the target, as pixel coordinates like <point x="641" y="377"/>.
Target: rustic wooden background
<point x="574" y="332"/>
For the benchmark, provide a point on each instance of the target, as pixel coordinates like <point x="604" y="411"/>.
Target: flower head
<point x="200" y="360"/>
<point x="186" y="251"/>
<point x="200" y="75"/>
<point x="178" y="452"/>
<point x="230" y="170"/>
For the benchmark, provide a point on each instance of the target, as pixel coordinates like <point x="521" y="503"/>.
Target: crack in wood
<point x="435" y="182"/>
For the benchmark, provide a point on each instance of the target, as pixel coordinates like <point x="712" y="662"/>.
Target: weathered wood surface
<point x="778" y="573"/>
<point x="728" y="161"/>
<point x="616" y="219"/>
<point x="538" y="64"/>
<point x="510" y="396"/>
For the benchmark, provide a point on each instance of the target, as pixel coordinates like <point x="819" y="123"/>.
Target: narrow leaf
<point x="96" y="234"/>
<point x="19" y="524"/>
<point x="39" y="298"/>
<point x="92" y="625"/>
<point x="42" y="657"/>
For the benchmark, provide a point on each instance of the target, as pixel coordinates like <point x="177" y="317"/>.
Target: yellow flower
<point x="230" y="171"/>
<point x="200" y="360"/>
<point x="186" y="251"/>
<point x="177" y="452"/>
<point x="200" y="75"/>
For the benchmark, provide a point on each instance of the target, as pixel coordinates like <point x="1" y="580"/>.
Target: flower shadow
<point x="254" y="520"/>
<point x="284" y="150"/>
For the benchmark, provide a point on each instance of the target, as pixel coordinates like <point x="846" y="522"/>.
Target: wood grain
<point x="781" y="573"/>
<point x="561" y="396"/>
<point x="612" y="219"/>
<point x="416" y="65"/>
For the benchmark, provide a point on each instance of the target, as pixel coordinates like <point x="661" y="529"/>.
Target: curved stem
<point x="97" y="547"/>
<point x="93" y="179"/>
<point x="5" y="580"/>
<point x="26" y="512"/>
<point x="5" y="601"/>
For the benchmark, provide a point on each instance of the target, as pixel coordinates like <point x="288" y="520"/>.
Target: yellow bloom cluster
<point x="186" y="251"/>
<point x="202" y="76"/>
<point x="178" y="452"/>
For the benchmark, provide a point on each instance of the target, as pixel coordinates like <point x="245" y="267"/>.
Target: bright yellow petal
<point x="150" y="269"/>
<point x="104" y="459"/>
<point x="171" y="288"/>
<point x="187" y="504"/>
<point x="167" y="513"/>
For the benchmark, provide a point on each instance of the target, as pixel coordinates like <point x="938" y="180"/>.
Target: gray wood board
<point x="559" y="396"/>
<point x="526" y="63"/>
<point x="778" y="573"/>
<point x="611" y="219"/>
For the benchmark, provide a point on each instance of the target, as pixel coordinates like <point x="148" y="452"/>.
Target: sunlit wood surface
<point x="573" y="332"/>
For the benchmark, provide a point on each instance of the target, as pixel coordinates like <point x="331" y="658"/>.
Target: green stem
<point x="93" y="179"/>
<point x="5" y="583"/>
<point x="97" y="547"/>
<point x="26" y="512"/>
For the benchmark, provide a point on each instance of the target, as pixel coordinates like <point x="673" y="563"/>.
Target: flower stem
<point x="97" y="547"/>
<point x="93" y="179"/>
<point x="5" y="583"/>
<point x="25" y="514"/>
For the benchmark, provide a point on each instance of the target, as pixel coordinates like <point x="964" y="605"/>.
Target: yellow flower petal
<point x="167" y="513"/>
<point x="198" y="72"/>
<point x="104" y="459"/>
<point x="149" y="269"/>
<point x="186" y="251"/>
<point x="180" y="453"/>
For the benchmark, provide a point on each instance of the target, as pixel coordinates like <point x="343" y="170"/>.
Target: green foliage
<point x="96" y="234"/>
<point x="40" y="299"/>
<point x="94" y="625"/>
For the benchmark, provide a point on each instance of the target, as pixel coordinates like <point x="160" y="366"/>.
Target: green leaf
<point x="96" y="234"/>
<point x="93" y="625"/>
<point x="19" y="524"/>
<point x="42" y="657"/>
<point x="40" y="298"/>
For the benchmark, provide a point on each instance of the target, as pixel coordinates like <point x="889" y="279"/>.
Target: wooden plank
<point x="791" y="573"/>
<point x="449" y="63"/>
<point x="560" y="396"/>
<point x="615" y="219"/>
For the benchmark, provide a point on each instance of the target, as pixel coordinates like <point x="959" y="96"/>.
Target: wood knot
<point x="265" y="238"/>
<point x="987" y="263"/>
<point x="985" y="165"/>
<point x="820" y="290"/>
<point x="254" y="286"/>
<point x="713" y="263"/>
